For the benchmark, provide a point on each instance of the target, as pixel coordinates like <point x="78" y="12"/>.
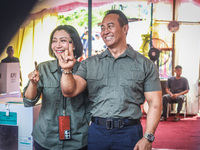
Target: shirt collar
<point x="54" y="66"/>
<point x="130" y="52"/>
<point x="105" y="53"/>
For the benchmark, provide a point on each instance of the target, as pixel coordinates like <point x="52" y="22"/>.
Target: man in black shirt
<point x="176" y="87"/>
<point x="10" y="58"/>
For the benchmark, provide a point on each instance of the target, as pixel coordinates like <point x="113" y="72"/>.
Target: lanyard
<point x="64" y="106"/>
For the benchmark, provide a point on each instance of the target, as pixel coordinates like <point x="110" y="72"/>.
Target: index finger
<point x="71" y="48"/>
<point x="36" y="66"/>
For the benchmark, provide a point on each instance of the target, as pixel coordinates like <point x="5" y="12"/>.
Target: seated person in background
<point x="10" y="57"/>
<point x="176" y="87"/>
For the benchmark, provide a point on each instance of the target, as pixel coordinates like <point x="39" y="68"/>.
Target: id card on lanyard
<point x="64" y="124"/>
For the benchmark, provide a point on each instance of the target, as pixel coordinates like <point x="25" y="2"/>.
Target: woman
<point x="45" y="80"/>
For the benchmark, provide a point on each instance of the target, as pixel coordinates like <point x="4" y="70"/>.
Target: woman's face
<point x="60" y="42"/>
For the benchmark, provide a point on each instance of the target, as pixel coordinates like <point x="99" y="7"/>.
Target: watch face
<point x="149" y="137"/>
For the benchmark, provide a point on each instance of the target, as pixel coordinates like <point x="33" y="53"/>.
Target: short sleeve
<point x="152" y="81"/>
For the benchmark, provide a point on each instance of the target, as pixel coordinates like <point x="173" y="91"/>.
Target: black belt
<point x="114" y="123"/>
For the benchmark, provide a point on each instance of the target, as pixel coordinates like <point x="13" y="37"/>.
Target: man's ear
<point x="126" y="27"/>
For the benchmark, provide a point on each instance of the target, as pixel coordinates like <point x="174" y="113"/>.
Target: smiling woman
<point x="45" y="81"/>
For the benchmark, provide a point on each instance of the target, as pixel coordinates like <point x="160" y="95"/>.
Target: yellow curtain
<point x="31" y="43"/>
<point x="14" y="44"/>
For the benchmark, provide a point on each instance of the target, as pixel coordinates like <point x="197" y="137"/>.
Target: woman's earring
<point x="73" y="48"/>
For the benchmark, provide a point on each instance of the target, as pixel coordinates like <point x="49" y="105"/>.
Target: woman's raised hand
<point x="66" y="59"/>
<point x="34" y="76"/>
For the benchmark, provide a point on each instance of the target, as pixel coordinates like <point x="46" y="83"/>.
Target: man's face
<point x="111" y="32"/>
<point x="178" y="72"/>
<point x="10" y="52"/>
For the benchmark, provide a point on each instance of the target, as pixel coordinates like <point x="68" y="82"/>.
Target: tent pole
<point x="151" y="33"/>
<point x="89" y="27"/>
<point x="151" y="24"/>
<point x="173" y="39"/>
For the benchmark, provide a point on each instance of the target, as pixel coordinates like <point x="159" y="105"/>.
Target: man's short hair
<point x="178" y="66"/>
<point x="123" y="20"/>
<point x="9" y="48"/>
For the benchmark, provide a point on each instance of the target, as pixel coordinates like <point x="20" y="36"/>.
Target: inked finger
<point x="36" y="66"/>
<point x="71" y="48"/>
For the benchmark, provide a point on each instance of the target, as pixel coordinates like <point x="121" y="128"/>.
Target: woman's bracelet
<point x="67" y="72"/>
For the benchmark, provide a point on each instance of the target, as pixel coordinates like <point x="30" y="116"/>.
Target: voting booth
<point x="9" y="77"/>
<point x="16" y="124"/>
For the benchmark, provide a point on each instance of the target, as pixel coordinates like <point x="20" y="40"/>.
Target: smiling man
<point x="118" y="81"/>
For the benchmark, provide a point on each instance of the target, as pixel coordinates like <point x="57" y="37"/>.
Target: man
<point x="84" y="39"/>
<point x="176" y="87"/>
<point x="118" y="82"/>
<point x="10" y="57"/>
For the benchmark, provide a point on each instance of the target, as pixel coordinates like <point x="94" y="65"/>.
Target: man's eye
<point x="102" y="29"/>
<point x="110" y="26"/>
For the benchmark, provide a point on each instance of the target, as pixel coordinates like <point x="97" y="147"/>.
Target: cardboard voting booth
<point x="16" y="124"/>
<point x="9" y="77"/>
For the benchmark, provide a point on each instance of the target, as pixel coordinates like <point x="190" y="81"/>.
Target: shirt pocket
<point x="50" y="85"/>
<point x="133" y="78"/>
<point x="51" y="91"/>
<point x="52" y="98"/>
<point x="95" y="83"/>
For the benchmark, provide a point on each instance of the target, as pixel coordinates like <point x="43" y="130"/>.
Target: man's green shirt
<point x="116" y="86"/>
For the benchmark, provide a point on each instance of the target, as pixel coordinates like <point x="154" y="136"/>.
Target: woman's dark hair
<point x="122" y="18"/>
<point x="74" y="36"/>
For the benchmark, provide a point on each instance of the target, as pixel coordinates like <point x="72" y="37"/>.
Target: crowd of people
<point x="101" y="96"/>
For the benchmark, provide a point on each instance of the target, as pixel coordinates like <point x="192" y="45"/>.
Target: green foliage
<point x="80" y="18"/>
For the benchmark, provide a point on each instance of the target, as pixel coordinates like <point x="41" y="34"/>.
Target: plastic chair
<point x="170" y="106"/>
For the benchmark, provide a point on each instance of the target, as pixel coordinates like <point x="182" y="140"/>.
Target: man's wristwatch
<point x="150" y="137"/>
